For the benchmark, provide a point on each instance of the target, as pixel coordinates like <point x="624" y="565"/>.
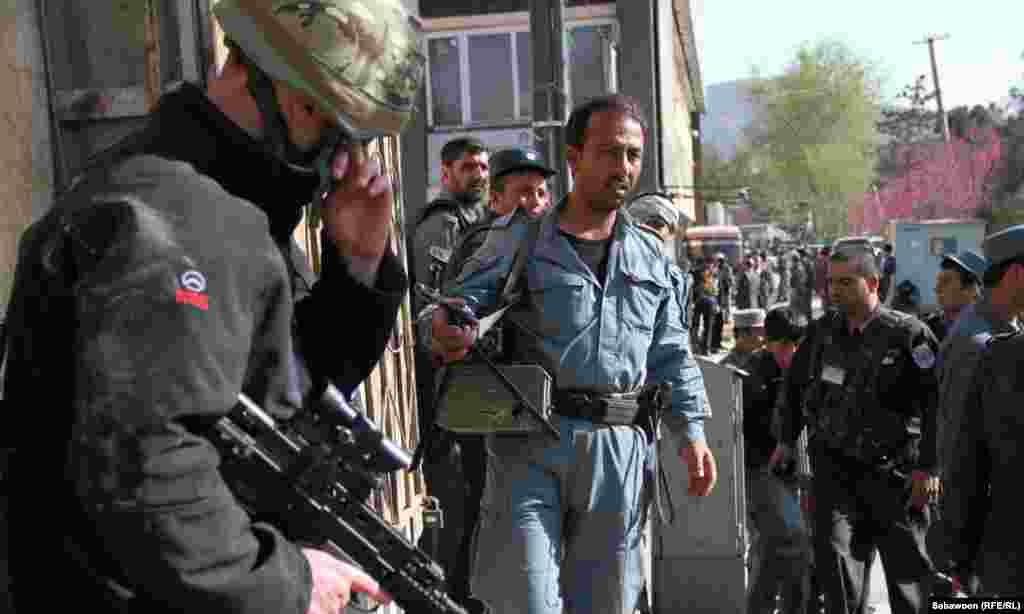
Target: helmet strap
<point x="275" y="128"/>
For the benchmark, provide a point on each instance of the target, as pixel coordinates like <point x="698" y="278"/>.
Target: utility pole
<point x="930" y="41"/>
<point x="550" y="87"/>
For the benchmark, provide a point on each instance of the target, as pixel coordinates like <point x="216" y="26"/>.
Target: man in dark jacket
<point x="782" y="549"/>
<point x="461" y="204"/>
<point x="985" y="463"/>
<point x="455" y="466"/>
<point x="864" y="385"/>
<point x="748" y="285"/>
<point x="164" y="282"/>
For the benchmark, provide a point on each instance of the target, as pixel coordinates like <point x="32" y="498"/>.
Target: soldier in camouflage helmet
<point x="164" y="282"/>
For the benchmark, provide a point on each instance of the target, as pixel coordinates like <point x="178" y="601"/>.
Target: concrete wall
<point x="26" y="165"/>
<point x="675" y="106"/>
<point x="637" y="77"/>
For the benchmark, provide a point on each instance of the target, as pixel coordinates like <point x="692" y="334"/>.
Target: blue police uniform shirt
<point x="609" y="337"/>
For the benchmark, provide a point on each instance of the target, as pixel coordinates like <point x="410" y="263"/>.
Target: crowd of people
<point x="875" y="431"/>
<point x="757" y="281"/>
<point x="166" y="282"/>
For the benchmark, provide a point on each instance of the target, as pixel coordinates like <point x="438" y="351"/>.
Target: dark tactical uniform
<point x="748" y="290"/>
<point x="870" y="404"/>
<point x="766" y="291"/>
<point x="458" y="479"/>
<point x="958" y="360"/>
<point x="150" y="295"/>
<point x="983" y="493"/>
<point x="802" y="289"/>
<point x="816" y="278"/>
<point x="772" y="502"/>
<point x="936" y="322"/>
<point x="433" y="237"/>
<point x="725" y="290"/>
<point x="785" y="280"/>
<point x="452" y="467"/>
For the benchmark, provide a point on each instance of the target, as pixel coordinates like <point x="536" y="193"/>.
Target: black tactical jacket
<point x="760" y="392"/>
<point x="162" y="284"/>
<point x="983" y="502"/>
<point x="869" y="396"/>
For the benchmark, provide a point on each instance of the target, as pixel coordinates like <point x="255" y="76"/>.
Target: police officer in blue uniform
<point x="864" y="384"/>
<point x="518" y="180"/>
<point x="561" y="521"/>
<point x="957" y="286"/>
<point x="983" y="496"/>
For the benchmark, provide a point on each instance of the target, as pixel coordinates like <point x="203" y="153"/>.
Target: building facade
<point x="480" y="79"/>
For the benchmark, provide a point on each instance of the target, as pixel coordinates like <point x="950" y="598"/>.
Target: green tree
<point x="910" y="120"/>
<point x="721" y="178"/>
<point x="815" y="135"/>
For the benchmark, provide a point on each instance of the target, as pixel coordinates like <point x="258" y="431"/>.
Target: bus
<point x="707" y="241"/>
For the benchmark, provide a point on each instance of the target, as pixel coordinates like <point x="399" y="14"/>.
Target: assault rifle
<point x="310" y="476"/>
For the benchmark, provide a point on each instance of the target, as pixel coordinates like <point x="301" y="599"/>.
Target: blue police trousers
<point x="561" y="522"/>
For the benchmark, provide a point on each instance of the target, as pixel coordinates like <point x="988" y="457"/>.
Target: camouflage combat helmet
<point x="360" y="60"/>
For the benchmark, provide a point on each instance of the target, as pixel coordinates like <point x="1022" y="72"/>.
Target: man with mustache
<point x="464" y="183"/>
<point x="985" y="463"/>
<point x="518" y="179"/>
<point x="561" y="521"/>
<point x="864" y="385"/>
<point x="433" y="238"/>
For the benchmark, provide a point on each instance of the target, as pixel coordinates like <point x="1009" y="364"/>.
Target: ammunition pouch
<point x="478" y="402"/>
<point x="643" y="408"/>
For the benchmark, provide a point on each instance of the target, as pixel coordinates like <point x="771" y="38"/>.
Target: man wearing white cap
<point x="749" y="331"/>
<point x="656" y="214"/>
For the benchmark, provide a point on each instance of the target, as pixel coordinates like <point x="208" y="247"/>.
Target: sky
<point x="977" y="63"/>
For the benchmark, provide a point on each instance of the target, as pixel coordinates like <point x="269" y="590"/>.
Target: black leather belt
<point x="597" y="408"/>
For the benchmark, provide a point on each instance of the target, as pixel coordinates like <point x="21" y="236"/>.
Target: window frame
<point x="462" y="35"/>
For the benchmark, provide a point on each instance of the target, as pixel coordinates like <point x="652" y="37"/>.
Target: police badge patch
<point x="924" y="357"/>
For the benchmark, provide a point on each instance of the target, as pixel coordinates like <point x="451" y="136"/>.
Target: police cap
<point x="1004" y="245"/>
<point x="748" y="318"/>
<point x="518" y="159"/>
<point x="970" y="262"/>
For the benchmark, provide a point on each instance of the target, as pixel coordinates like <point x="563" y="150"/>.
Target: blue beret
<point x="970" y="261"/>
<point x="518" y="159"/>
